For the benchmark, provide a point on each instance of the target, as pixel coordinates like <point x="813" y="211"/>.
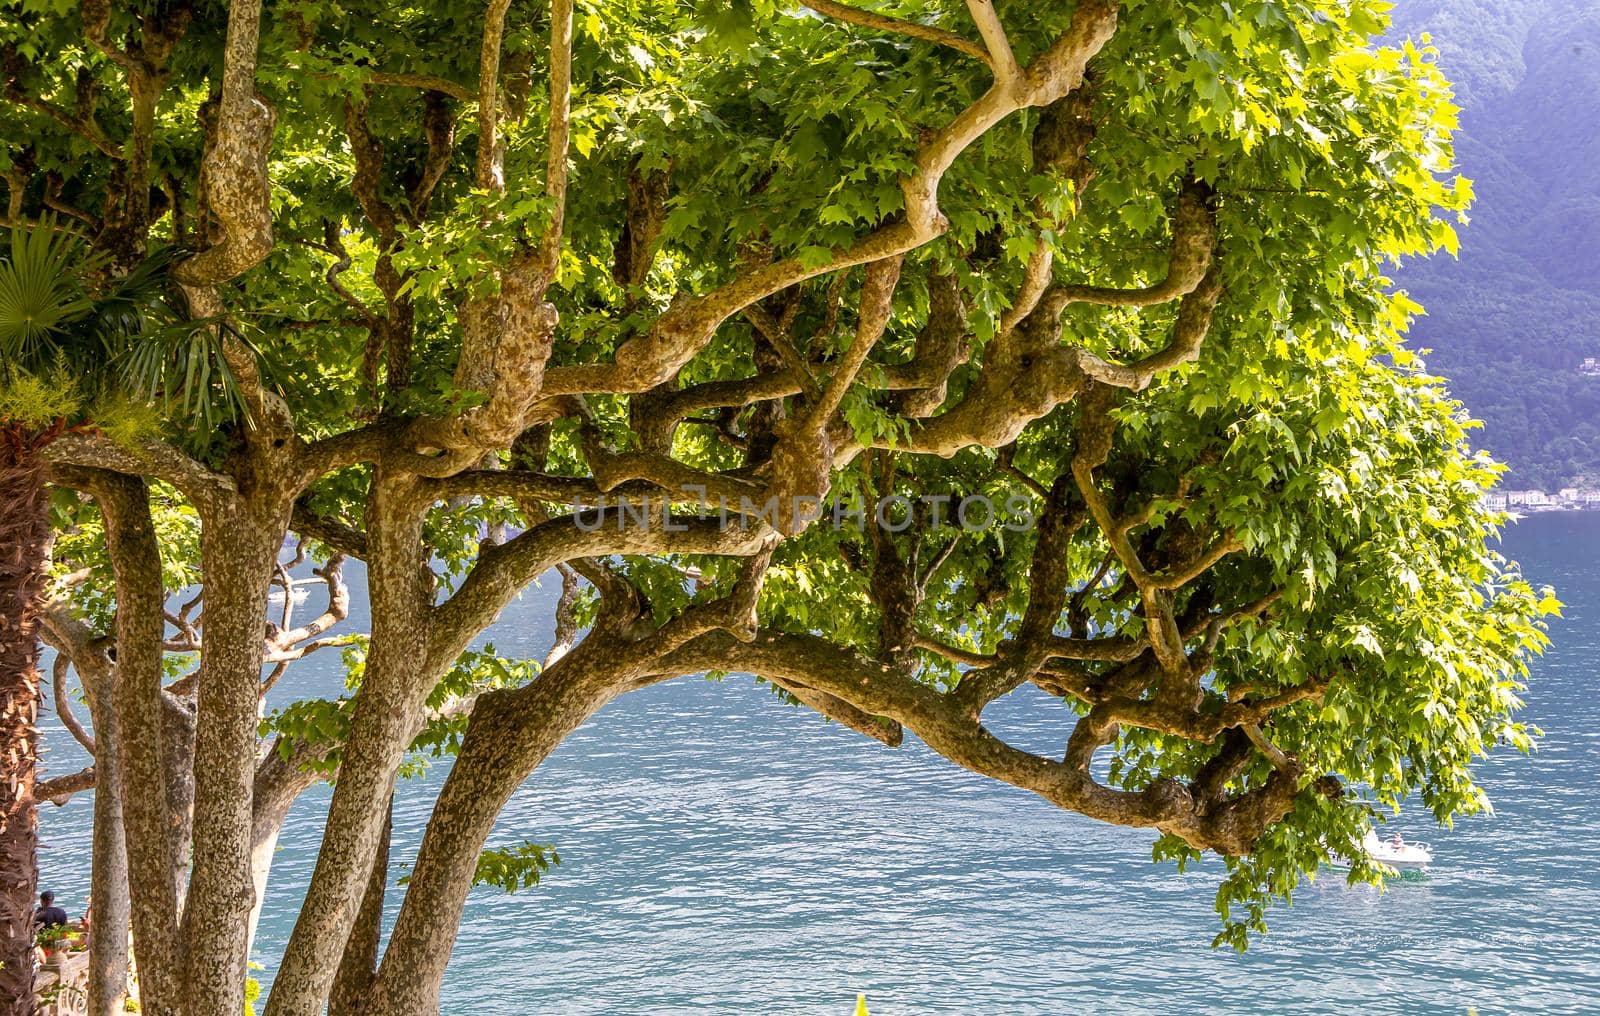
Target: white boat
<point x="300" y="594"/>
<point x="1400" y="856"/>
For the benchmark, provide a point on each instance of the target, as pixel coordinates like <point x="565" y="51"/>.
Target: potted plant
<point x="54" y="940"/>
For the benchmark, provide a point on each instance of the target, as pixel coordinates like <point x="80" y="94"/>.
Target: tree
<point x="62" y="333"/>
<point x="1080" y="305"/>
<point x="22" y="573"/>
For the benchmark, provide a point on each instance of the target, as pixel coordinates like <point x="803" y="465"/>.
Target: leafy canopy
<point x="1259" y="570"/>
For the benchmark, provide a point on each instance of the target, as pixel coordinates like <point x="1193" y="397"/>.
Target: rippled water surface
<point x="724" y="853"/>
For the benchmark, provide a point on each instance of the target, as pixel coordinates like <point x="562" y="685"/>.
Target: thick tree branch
<point x="148" y="458"/>
<point x="332" y="576"/>
<point x="877" y="304"/>
<point x="648" y="360"/>
<point x="1194" y="238"/>
<point x="899" y="26"/>
<point x="994" y="40"/>
<point x="426" y="82"/>
<point x="555" y="176"/>
<point x="1188" y="335"/>
<point x="59" y="790"/>
<point x="58" y="684"/>
<point x="152" y="765"/>
<point x="236" y="187"/>
<point x="491" y="154"/>
<point x="502" y="571"/>
<point x="1229" y="826"/>
<point x="330" y="533"/>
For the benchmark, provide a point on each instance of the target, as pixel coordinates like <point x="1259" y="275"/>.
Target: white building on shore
<point x="1527" y="498"/>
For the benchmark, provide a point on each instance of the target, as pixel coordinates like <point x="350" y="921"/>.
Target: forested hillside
<point x="1511" y="321"/>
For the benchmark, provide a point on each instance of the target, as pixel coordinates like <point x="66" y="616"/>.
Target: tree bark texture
<point x="24" y="549"/>
<point x="511" y="733"/>
<point x="357" y="969"/>
<point x="239" y="550"/>
<point x="108" y="889"/>
<point x="150" y="822"/>
<point x="388" y="713"/>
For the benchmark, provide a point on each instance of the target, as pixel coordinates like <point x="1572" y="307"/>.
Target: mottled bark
<point x="149" y="821"/>
<point x="234" y="169"/>
<point x="509" y="735"/>
<point x="239" y="551"/>
<point x="388" y="712"/>
<point x="108" y="887"/>
<point x="179" y="722"/>
<point x="359" y="965"/>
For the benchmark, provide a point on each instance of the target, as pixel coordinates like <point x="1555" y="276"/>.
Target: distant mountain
<point x="1512" y="320"/>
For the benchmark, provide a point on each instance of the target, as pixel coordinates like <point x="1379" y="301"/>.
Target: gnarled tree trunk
<point x="108" y="894"/>
<point x="509" y="736"/>
<point x="239" y="550"/>
<point x="352" y="986"/>
<point x="388" y="713"/>
<point x="149" y="815"/>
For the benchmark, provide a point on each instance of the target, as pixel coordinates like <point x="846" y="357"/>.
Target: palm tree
<point x="67" y="337"/>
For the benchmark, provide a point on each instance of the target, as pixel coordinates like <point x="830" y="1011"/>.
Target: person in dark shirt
<point x="48" y="915"/>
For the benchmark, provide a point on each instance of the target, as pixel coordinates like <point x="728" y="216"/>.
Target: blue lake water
<point x="724" y="853"/>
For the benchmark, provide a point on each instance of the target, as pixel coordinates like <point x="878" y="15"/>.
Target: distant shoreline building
<point x="1584" y="498"/>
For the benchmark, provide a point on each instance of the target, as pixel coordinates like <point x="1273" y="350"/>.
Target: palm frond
<point x="132" y="332"/>
<point x="42" y="293"/>
<point x="181" y="367"/>
<point x="139" y="302"/>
